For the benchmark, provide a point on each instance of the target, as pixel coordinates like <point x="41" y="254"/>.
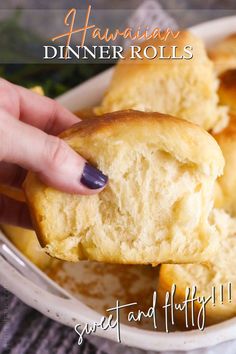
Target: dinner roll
<point x="26" y="241"/>
<point x="183" y="88"/>
<point x="12" y="192"/>
<point x="227" y="89"/>
<point x="221" y="272"/>
<point x="225" y="195"/>
<point x="156" y="205"/>
<point x="85" y="113"/>
<point x="223" y="54"/>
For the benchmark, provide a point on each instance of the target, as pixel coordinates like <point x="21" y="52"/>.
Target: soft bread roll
<point x="225" y="194"/>
<point x="227" y="89"/>
<point x="204" y="277"/>
<point x="158" y="175"/>
<point x="26" y="241"/>
<point x="183" y="88"/>
<point x="223" y="54"/>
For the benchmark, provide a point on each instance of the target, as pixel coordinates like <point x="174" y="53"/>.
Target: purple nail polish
<point x="92" y="177"/>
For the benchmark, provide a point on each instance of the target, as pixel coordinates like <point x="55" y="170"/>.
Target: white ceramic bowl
<point x="70" y="310"/>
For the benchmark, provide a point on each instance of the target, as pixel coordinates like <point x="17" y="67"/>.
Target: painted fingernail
<point x="92" y="177"/>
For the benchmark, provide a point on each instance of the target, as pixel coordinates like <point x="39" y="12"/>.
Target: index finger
<point x="43" y="112"/>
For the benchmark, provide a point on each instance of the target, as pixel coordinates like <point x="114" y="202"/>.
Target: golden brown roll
<point x="223" y="54"/>
<point x="158" y="175"/>
<point x="12" y="192"/>
<point x="86" y="113"/>
<point x="183" y="88"/>
<point x="225" y="196"/>
<point x="26" y="241"/>
<point x="221" y="272"/>
<point x="227" y="89"/>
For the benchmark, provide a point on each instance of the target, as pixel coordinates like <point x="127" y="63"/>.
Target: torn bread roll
<point x="156" y="206"/>
<point x="183" y="88"/>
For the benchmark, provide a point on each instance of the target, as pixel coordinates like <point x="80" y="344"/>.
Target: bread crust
<point x="178" y="136"/>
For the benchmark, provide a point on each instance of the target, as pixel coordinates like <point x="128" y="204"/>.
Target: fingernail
<point x="92" y="177"/>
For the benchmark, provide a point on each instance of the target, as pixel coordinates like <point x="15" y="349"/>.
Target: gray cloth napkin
<point x="25" y="331"/>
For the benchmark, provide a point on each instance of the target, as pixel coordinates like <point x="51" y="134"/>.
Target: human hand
<point x="28" y="125"/>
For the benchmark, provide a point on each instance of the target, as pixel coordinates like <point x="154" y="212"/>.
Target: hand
<point x="28" y="125"/>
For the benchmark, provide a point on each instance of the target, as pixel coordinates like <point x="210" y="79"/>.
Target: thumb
<point x="55" y="162"/>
